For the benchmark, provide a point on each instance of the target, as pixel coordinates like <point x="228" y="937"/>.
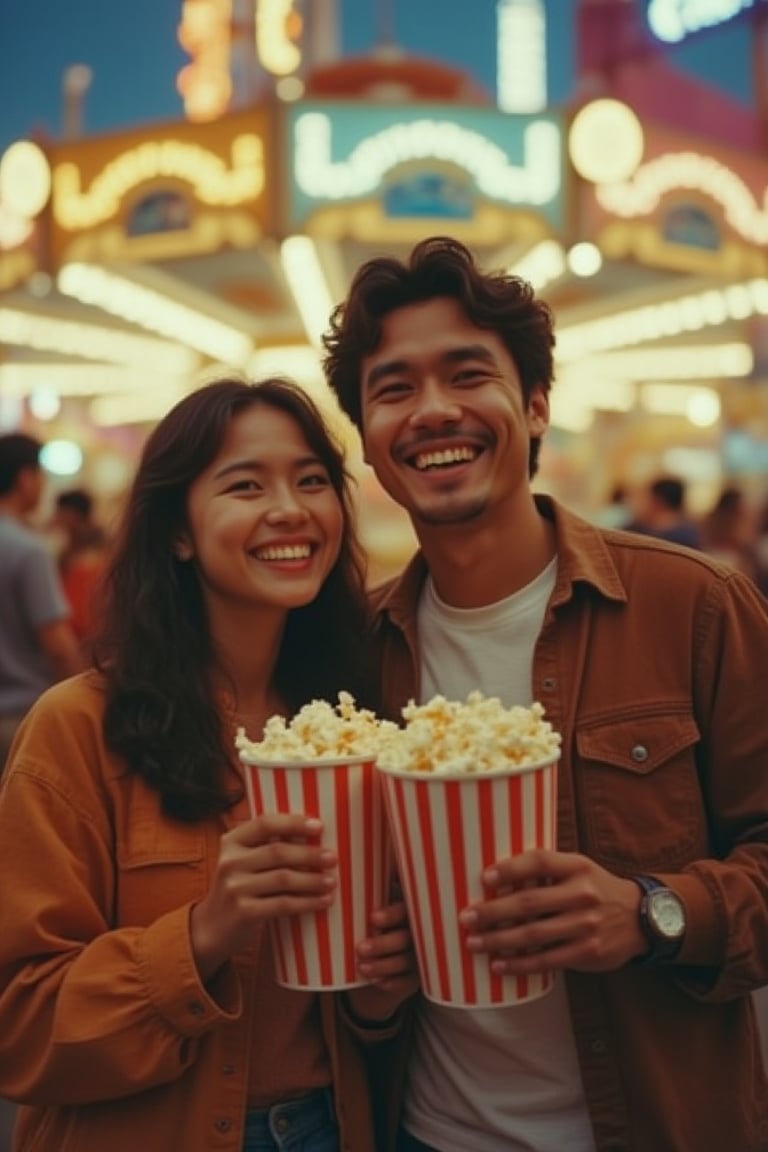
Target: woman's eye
<point x="245" y="486"/>
<point x="315" y="480"/>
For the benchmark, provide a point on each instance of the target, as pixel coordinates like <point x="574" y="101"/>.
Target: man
<point x="651" y="662"/>
<point x="82" y="559"/>
<point x="662" y="513"/>
<point x="37" y="642"/>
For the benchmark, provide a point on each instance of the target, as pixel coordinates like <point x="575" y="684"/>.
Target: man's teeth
<point x="293" y="552"/>
<point x="445" y="456"/>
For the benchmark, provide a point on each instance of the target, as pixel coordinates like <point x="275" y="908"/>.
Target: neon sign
<point x="278" y="27"/>
<point x="673" y="20"/>
<point x="641" y="195"/>
<point x="204" y="33"/>
<point x="212" y="181"/>
<point x="535" y="181"/>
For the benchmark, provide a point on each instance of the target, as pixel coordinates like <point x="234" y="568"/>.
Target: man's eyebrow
<point x="450" y="356"/>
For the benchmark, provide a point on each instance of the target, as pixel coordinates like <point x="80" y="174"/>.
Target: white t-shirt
<point x="493" y="1078"/>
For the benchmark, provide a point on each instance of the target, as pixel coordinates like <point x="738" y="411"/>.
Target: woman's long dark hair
<point x="154" y="646"/>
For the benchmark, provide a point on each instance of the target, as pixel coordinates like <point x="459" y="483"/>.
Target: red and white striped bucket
<point x="317" y="949"/>
<point x="446" y="830"/>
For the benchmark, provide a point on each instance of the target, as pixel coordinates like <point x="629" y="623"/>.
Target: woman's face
<point x="264" y="522"/>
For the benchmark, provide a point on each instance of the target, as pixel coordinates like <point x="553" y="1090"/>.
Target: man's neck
<point x="472" y="565"/>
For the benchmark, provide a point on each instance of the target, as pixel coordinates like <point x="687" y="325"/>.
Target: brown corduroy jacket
<point x="652" y="662"/>
<point x="107" y="1037"/>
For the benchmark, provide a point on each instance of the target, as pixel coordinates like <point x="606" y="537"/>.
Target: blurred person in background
<point x="139" y="1007"/>
<point x="660" y="511"/>
<point x="82" y="557"/>
<point x="729" y="533"/>
<point x="37" y="642"/>
<point x="650" y="660"/>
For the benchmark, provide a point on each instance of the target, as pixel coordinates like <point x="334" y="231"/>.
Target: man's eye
<point x="392" y="388"/>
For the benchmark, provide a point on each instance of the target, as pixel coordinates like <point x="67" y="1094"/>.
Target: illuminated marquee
<point x="213" y="182"/>
<point x="536" y="181"/>
<point x="675" y="171"/>
<point x="204" y="33"/>
<point x="673" y="20"/>
<point x="278" y="25"/>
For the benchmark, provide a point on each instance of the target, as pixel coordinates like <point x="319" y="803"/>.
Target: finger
<point x="389" y="916"/>
<point x="538" y="865"/>
<point x="283" y="854"/>
<point x="283" y="825"/>
<point x="385" y="945"/>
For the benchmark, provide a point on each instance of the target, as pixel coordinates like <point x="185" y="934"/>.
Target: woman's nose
<point x="286" y="507"/>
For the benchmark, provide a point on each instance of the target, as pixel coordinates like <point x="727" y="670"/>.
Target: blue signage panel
<point x="424" y="161"/>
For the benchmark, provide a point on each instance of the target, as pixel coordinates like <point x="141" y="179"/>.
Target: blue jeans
<point x="304" y="1125"/>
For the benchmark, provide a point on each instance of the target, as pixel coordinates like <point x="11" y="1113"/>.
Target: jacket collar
<point x="583" y="557"/>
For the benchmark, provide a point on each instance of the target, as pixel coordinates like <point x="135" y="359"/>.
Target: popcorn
<point x="319" y="730"/>
<point x="474" y="737"/>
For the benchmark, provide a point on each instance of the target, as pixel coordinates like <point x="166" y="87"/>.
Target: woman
<point x="138" y="1003"/>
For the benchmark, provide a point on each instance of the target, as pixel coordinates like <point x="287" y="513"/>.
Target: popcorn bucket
<point x="446" y="829"/>
<point x="316" y="950"/>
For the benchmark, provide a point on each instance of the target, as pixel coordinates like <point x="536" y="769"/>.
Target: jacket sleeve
<point x="88" y="1010"/>
<point x="726" y="895"/>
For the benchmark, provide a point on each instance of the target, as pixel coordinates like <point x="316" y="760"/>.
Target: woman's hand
<point x="268" y="866"/>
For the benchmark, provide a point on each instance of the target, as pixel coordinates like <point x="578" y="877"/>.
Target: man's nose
<point x="435" y="405"/>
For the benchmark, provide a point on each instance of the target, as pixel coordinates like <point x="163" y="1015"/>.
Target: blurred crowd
<point x="734" y="529"/>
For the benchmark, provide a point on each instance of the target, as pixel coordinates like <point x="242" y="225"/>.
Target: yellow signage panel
<point x="172" y="189"/>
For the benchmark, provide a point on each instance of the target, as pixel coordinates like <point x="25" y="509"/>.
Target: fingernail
<point x="491" y="876"/>
<point x="312" y="824"/>
<point x="468" y="917"/>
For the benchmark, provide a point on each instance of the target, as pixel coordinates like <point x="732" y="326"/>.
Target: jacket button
<point x="195" y="1007"/>
<point x="639" y="753"/>
<point x="549" y="683"/>
<point x="223" y="1124"/>
<point x="598" y="1047"/>
<point x="228" y="1070"/>
<point x="282" y="1124"/>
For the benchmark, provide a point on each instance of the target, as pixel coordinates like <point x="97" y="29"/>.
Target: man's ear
<point x="538" y="411"/>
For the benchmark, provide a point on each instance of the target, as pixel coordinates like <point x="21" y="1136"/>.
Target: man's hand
<point x="553" y="910"/>
<point x="387" y="959"/>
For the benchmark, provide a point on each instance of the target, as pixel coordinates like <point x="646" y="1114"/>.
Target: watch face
<point x="666" y="914"/>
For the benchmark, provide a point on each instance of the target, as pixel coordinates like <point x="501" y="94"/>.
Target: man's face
<point x="444" y="424"/>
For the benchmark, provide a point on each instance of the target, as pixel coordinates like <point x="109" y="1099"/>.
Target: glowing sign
<point x="212" y="181"/>
<point x="278" y="26"/>
<point x="673" y="20"/>
<point x="204" y="33"/>
<point x="641" y="195"/>
<point x="535" y="181"/>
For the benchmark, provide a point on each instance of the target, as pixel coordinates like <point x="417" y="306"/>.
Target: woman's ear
<point x="182" y="549"/>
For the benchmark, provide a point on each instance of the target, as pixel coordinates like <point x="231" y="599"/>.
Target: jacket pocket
<point x="641" y="802"/>
<point x="160" y="867"/>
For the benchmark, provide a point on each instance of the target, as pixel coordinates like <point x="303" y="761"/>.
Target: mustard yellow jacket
<point x="107" y="1036"/>
<point x="653" y="664"/>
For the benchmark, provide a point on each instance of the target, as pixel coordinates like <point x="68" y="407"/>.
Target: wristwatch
<point x="662" y="919"/>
